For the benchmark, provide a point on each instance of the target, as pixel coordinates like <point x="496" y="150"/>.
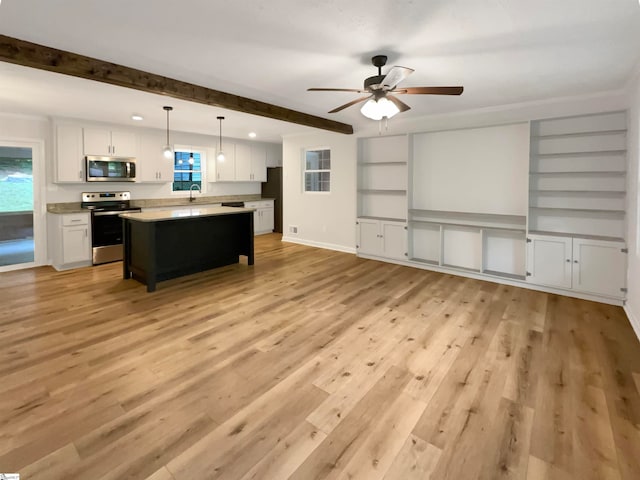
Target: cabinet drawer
<point x="259" y="204"/>
<point x="75" y="219"/>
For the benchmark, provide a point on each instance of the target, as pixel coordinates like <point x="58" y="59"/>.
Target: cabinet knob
<point x="575" y="261"/>
<point x="568" y="260"/>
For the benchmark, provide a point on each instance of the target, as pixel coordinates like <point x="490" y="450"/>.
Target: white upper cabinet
<point x="258" y="163"/>
<point x="225" y="170"/>
<point x="103" y="141"/>
<point x="151" y="165"/>
<point x="69" y="162"/>
<point x="242" y="163"/>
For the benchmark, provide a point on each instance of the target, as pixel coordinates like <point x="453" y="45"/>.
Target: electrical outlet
<point x="293" y="229"/>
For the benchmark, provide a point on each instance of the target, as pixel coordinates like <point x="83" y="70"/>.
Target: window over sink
<point x="188" y="169"/>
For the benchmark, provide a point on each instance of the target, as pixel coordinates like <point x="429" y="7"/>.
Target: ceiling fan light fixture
<point x="379" y="109"/>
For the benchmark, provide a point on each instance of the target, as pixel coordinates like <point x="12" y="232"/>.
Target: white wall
<point x="323" y="219"/>
<point x="633" y="198"/>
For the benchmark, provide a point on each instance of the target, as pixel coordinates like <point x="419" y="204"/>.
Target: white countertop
<point x="183" y="212"/>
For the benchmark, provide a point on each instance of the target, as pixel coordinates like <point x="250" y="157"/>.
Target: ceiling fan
<point x="381" y="89"/>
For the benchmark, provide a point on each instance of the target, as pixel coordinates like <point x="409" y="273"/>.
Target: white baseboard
<point x="311" y="243"/>
<point x="635" y="322"/>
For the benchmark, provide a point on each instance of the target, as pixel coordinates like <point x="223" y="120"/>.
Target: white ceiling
<point x="502" y="51"/>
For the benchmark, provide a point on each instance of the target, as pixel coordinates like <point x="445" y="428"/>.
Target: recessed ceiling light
<point x="252" y="135"/>
<point x="136" y="117"/>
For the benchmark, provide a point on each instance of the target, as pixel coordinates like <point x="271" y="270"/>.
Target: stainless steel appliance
<point x="106" y="225"/>
<point x="110" y="169"/>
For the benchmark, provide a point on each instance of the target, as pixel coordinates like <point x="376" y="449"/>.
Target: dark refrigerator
<point x="272" y="188"/>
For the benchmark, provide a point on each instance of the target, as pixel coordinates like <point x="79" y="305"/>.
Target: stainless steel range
<point x="106" y="225"/>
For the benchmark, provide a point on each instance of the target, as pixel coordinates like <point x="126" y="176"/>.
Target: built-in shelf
<point x="422" y="260"/>
<point x="480" y="220"/>
<point x="369" y="164"/>
<point x="576" y="235"/>
<point x="586" y="211"/>
<point x="581" y="134"/>
<point x="382" y="191"/>
<point x="464" y="269"/>
<point x="590" y="173"/>
<point x="578" y="193"/>
<point x="511" y="276"/>
<point x="579" y="154"/>
<point x="383" y="219"/>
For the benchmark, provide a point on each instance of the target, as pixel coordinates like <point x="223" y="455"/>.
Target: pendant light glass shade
<point x="379" y="109"/>
<point x="220" y="156"/>
<point x="167" y="151"/>
<point x="191" y="161"/>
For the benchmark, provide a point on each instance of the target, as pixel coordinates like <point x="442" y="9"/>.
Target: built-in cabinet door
<point x="123" y="144"/>
<point x="151" y="165"/>
<point x="258" y="164"/>
<point x="368" y="232"/>
<point x="549" y="261"/>
<point x="106" y="142"/>
<point x="226" y="169"/>
<point x="97" y="141"/>
<point x="69" y="154"/>
<point x="599" y="267"/>
<point x="243" y="163"/>
<point x="394" y="240"/>
<point x="267" y="219"/>
<point x="75" y="244"/>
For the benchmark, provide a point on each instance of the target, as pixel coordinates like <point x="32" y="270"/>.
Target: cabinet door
<point x="226" y="169"/>
<point x="97" y="141"/>
<point x="267" y="219"/>
<point x="368" y="237"/>
<point x="549" y="261"/>
<point x="69" y="156"/>
<point x="151" y="166"/>
<point x="599" y="267"/>
<point x="123" y="144"/>
<point x="394" y="240"/>
<point x="243" y="163"/>
<point x="258" y="163"/>
<point x="75" y="244"/>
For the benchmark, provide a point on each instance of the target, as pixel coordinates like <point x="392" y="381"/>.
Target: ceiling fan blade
<point x="346" y="105"/>
<point x="395" y="76"/>
<point x="431" y="90"/>
<point x="334" y="90"/>
<point x="403" y="107"/>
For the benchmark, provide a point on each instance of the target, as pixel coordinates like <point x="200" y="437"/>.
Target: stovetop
<point x="106" y="201"/>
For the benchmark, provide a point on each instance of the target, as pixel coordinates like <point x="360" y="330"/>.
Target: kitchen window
<point x="187" y="170"/>
<point x="317" y="170"/>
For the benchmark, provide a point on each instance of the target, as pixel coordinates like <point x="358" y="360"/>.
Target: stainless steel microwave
<point x="110" y="169"/>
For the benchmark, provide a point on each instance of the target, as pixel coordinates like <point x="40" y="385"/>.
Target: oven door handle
<point x="103" y="214"/>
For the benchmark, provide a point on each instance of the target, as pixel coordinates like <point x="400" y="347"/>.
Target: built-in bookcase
<point x="383" y="178"/>
<point x="577" y="182"/>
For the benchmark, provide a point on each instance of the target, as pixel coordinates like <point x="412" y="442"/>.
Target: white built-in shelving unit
<point x="578" y="176"/>
<point x="540" y="203"/>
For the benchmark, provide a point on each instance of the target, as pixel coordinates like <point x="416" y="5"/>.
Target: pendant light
<point x="220" y="156"/>
<point x="167" y="151"/>
<point x="191" y="161"/>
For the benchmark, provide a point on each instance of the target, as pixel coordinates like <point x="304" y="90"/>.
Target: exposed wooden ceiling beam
<point x="20" y="52"/>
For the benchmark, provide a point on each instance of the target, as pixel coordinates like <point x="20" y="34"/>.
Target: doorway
<point x="20" y="229"/>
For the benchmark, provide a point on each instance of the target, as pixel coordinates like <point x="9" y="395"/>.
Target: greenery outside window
<point x="187" y="170"/>
<point x="317" y="170"/>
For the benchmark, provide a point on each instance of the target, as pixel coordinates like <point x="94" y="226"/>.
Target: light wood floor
<point x="311" y="364"/>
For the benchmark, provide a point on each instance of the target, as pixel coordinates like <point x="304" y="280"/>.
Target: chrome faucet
<point x="191" y="199"/>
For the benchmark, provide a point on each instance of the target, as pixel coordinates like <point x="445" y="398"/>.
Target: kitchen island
<point x="164" y="244"/>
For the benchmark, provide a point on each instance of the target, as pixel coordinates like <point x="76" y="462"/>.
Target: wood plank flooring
<point x="312" y="364"/>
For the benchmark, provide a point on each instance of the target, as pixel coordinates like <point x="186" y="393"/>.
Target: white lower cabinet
<point x="382" y="238"/>
<point x="263" y="216"/>
<point x="580" y="264"/>
<point x="70" y="240"/>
